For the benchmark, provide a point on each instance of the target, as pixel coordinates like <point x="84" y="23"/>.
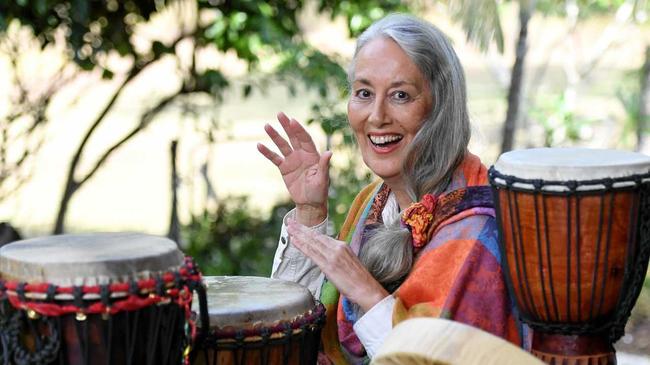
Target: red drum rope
<point x="177" y="287"/>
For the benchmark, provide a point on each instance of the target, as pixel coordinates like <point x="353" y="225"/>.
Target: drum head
<point x="571" y="164"/>
<point x="246" y="301"/>
<point x="89" y="259"/>
<point x="436" y="341"/>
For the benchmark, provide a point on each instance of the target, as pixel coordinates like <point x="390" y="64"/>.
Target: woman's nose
<point x="378" y="113"/>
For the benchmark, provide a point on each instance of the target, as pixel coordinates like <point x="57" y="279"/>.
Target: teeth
<point x="385" y="139"/>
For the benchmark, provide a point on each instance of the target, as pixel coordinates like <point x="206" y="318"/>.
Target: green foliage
<point x="332" y="121"/>
<point x="481" y="21"/>
<point x="91" y="27"/>
<point x="628" y="94"/>
<point x="345" y="183"/>
<point x="315" y="70"/>
<point x="254" y="30"/>
<point x="560" y="122"/>
<point x="639" y="322"/>
<point x="360" y="14"/>
<point x="348" y="179"/>
<point x="235" y="239"/>
<point x="587" y="8"/>
<point x="212" y="82"/>
<point x="96" y="30"/>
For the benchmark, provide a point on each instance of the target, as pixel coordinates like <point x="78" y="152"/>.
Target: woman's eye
<point x="401" y="96"/>
<point x="363" y="93"/>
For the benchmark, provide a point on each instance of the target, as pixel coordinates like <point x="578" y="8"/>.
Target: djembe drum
<point x="254" y="320"/>
<point x="575" y="242"/>
<point x="95" y="299"/>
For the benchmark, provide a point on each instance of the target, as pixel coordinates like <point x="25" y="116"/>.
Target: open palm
<point x="304" y="170"/>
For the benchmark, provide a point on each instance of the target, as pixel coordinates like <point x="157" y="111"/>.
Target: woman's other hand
<point x="339" y="264"/>
<point x="303" y="169"/>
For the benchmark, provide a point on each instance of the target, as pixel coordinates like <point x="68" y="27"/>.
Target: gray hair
<point x="438" y="147"/>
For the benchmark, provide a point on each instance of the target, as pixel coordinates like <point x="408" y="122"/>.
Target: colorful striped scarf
<point x="456" y="275"/>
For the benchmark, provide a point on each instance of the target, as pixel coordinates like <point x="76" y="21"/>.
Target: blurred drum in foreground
<point x="256" y="320"/>
<point x="436" y="341"/>
<point x="575" y="238"/>
<point x="115" y="298"/>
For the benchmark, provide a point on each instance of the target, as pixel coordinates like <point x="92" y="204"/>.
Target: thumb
<point x="324" y="161"/>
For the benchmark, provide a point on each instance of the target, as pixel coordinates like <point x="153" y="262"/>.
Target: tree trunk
<point x="643" y="140"/>
<point x="72" y="184"/>
<point x="517" y="77"/>
<point x="174" y="226"/>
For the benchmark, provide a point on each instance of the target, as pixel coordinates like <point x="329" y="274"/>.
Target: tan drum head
<point x="570" y="164"/>
<point x="89" y="259"/>
<point x="245" y="301"/>
<point x="435" y="341"/>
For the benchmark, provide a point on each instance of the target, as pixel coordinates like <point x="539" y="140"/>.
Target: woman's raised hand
<point x="303" y="169"/>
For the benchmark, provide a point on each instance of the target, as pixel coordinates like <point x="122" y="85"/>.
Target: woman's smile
<point x="385" y="143"/>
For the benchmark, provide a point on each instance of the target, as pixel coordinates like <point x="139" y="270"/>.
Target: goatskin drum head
<point x="571" y="164"/>
<point x="564" y="164"/>
<point x="89" y="259"/>
<point x="247" y="301"/>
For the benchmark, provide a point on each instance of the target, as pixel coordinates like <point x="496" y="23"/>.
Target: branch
<point x="19" y="181"/>
<point x="132" y="74"/>
<point x="145" y="119"/>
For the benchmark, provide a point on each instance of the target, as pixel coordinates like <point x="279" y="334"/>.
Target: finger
<point x="318" y="243"/>
<point x="324" y="161"/>
<point x="280" y="142"/>
<point x="303" y="137"/>
<point x="306" y="240"/>
<point x="270" y="155"/>
<point x="286" y="124"/>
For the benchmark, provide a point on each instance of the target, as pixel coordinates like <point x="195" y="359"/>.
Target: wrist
<point x="310" y="215"/>
<point x="372" y="298"/>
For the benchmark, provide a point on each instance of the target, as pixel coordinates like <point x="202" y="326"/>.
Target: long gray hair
<point x="438" y="147"/>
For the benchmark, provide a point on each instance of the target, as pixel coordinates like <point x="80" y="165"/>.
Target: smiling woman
<point x="421" y="240"/>
<point x="389" y="100"/>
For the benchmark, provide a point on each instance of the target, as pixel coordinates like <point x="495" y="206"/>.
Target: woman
<point x="421" y="241"/>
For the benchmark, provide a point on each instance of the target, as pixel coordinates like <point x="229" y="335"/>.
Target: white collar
<point x="391" y="209"/>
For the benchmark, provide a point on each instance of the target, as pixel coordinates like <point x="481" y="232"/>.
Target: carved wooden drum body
<point x="575" y="242"/>
<point x="254" y="320"/>
<point x="115" y="298"/>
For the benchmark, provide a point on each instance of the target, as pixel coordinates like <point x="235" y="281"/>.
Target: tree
<point x="482" y="23"/>
<point x="515" y="92"/>
<point x="97" y="31"/>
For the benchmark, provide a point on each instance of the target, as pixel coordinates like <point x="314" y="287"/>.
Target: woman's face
<point x="389" y="101"/>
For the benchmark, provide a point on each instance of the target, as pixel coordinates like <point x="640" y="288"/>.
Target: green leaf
<point x="107" y="74"/>
<point x="41" y="7"/>
<point x="160" y="49"/>
<point x="86" y="64"/>
<point x="212" y="82"/>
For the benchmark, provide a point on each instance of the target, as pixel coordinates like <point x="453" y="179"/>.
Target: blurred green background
<point x="144" y="115"/>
